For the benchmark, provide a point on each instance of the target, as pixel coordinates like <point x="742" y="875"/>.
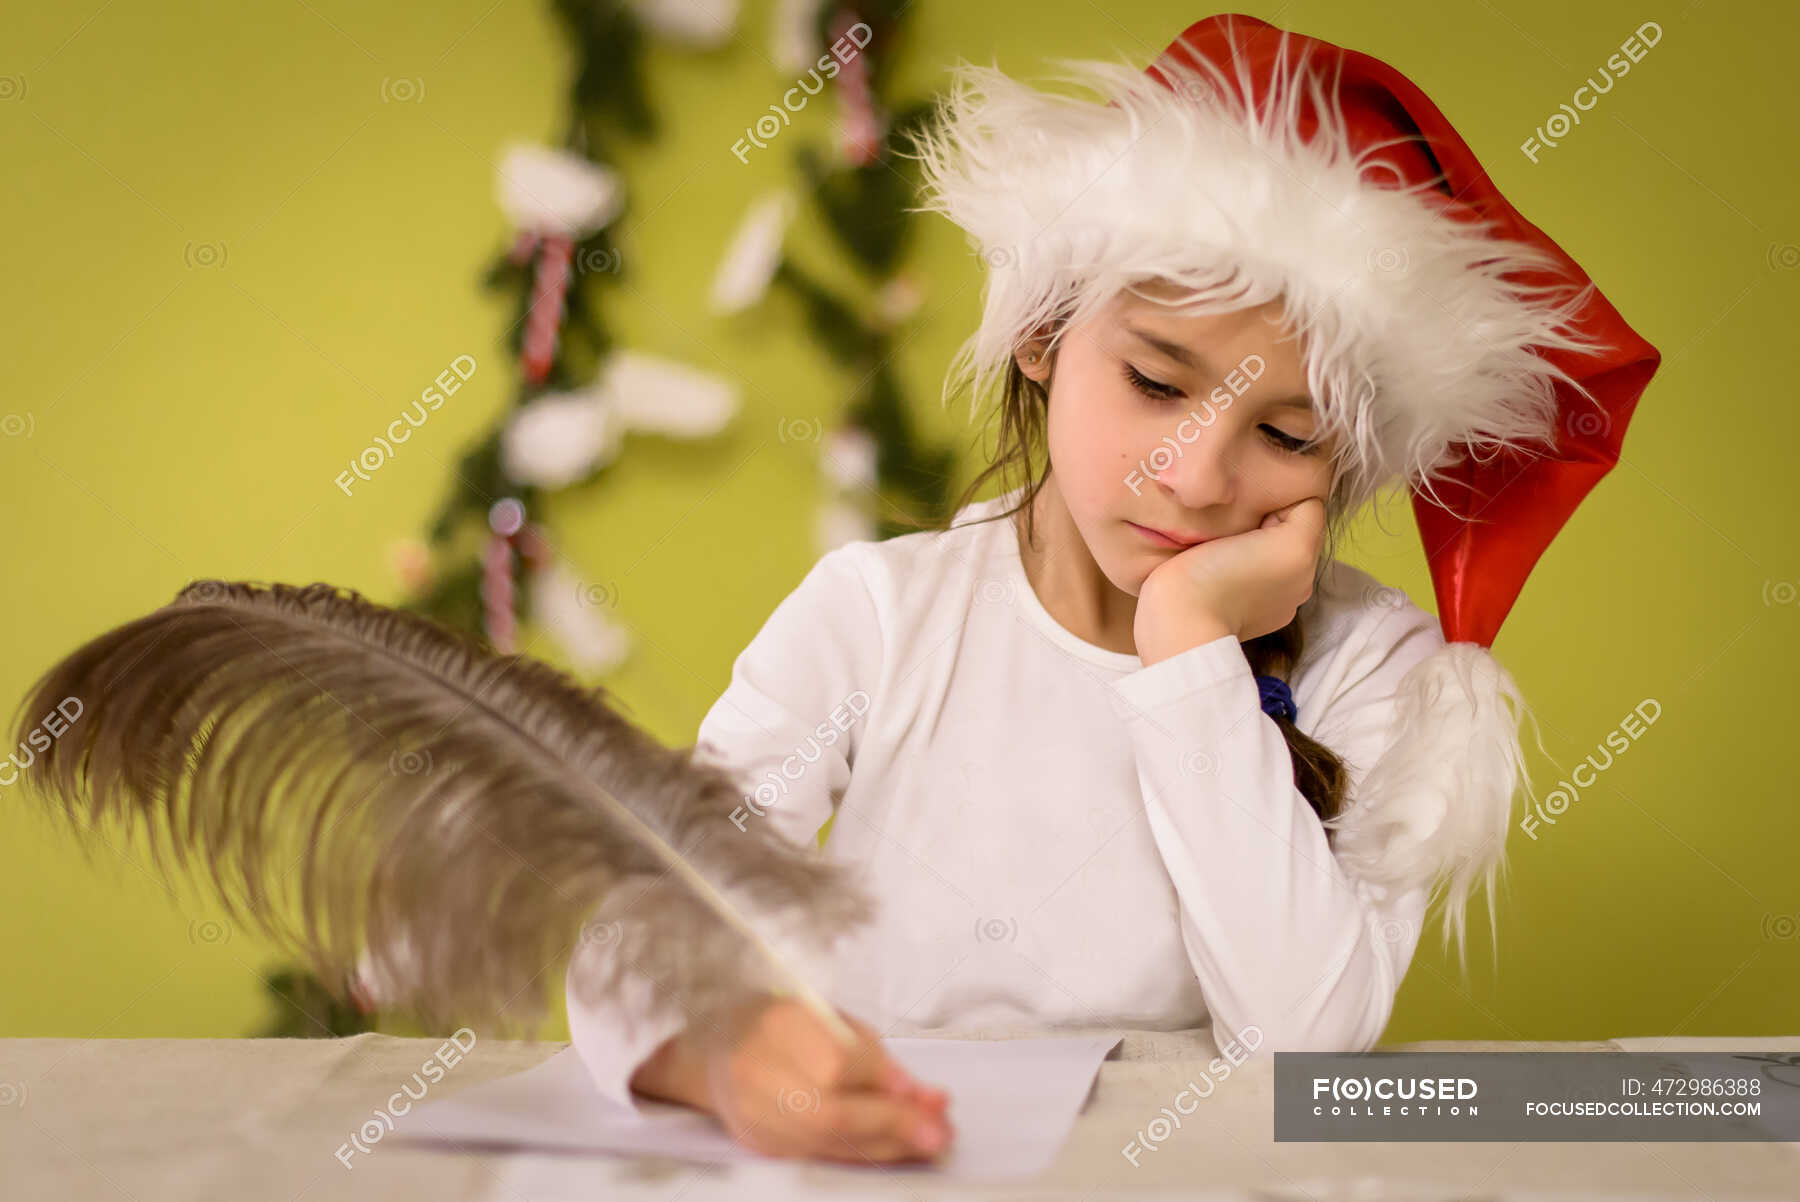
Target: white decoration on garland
<point x="566" y="607"/>
<point x="841" y="522"/>
<point x="701" y="23"/>
<point x="560" y="438"/>
<point x="899" y="299"/>
<point x="849" y="459"/>
<point x="793" y="40"/>
<point x="556" y="192"/>
<point x="848" y="465"/>
<point x="654" y="395"/>
<point x="754" y="254"/>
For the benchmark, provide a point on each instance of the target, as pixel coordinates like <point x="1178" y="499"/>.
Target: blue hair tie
<point x="1277" y="701"/>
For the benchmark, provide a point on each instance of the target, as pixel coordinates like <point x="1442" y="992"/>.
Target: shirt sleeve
<point x="1282" y="938"/>
<point x="786" y="729"/>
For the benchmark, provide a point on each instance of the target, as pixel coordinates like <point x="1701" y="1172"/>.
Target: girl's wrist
<point x="1173" y="616"/>
<point x="1202" y="630"/>
<point x="675" y="1072"/>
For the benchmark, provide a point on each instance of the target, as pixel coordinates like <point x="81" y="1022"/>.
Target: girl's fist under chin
<point x="1244" y="585"/>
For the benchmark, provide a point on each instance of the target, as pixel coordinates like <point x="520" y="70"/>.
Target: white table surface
<point x="143" y="1120"/>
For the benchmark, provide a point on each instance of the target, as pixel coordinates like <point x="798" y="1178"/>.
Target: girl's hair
<point x="1318" y="773"/>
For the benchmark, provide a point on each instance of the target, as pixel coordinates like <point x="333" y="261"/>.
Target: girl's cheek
<point x="1296" y="484"/>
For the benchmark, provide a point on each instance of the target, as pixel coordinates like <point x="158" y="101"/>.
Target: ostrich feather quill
<point x="359" y="781"/>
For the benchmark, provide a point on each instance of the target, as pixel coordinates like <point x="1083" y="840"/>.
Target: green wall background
<point x="187" y="421"/>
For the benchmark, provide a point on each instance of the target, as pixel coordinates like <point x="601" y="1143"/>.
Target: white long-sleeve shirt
<point x="1056" y="834"/>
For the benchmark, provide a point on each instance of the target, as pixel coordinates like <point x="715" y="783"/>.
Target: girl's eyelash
<point x="1149" y="387"/>
<point x="1157" y="390"/>
<point x="1287" y="442"/>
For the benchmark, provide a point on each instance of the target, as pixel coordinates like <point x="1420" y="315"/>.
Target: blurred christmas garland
<point x="882" y="478"/>
<point x="577" y="394"/>
<point x="575" y="397"/>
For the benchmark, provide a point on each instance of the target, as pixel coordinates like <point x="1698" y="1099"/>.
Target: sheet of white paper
<point x="1012" y="1103"/>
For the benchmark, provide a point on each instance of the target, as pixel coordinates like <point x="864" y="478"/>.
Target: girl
<point x="1127" y="745"/>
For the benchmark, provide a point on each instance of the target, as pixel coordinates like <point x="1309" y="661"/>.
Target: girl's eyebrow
<point x="1183" y="355"/>
<point x="1173" y="350"/>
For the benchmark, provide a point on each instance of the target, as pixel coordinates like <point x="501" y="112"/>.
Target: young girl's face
<point x="1191" y="426"/>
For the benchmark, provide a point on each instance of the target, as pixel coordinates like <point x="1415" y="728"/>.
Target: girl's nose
<point x="1196" y="467"/>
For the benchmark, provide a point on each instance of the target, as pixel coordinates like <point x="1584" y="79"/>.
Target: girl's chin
<point x="1129" y="573"/>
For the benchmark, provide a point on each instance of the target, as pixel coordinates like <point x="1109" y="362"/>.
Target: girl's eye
<point x="1287" y="442"/>
<point x="1149" y="387"/>
<point x="1156" y="389"/>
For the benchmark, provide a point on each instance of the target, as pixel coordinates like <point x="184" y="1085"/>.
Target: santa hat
<point x="1449" y="343"/>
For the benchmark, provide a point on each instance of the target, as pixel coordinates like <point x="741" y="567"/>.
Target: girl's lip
<point x="1167" y="540"/>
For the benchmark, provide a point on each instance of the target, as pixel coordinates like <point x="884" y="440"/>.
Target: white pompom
<point x="660" y="396"/>
<point x="575" y="616"/>
<point x="793" y="44"/>
<point x="1436" y="807"/>
<point x="840" y="522"/>
<point x="701" y="23"/>
<point x="899" y="298"/>
<point x="556" y="192"/>
<point x="755" y="251"/>
<point x="848" y="460"/>
<point x="560" y="438"/>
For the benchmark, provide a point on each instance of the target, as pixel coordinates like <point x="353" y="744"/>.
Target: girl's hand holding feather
<point x="783" y="1085"/>
<point x="1244" y="585"/>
